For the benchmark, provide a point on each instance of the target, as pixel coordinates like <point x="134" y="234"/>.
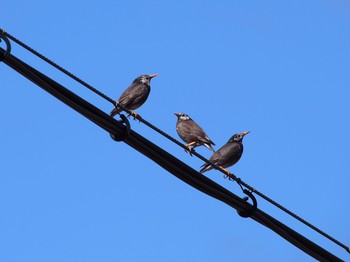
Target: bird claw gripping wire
<point x="249" y="211"/>
<point x="229" y="175"/>
<point x="121" y="137"/>
<point x="8" y="45"/>
<point x="189" y="150"/>
<point x="135" y="115"/>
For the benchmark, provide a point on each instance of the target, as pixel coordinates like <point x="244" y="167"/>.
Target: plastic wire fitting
<point x="8" y="45"/>
<point x="121" y="137"/>
<point x="250" y="211"/>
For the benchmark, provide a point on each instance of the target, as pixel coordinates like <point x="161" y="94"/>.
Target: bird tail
<point x="114" y="111"/>
<point x="205" y="168"/>
<point x="207" y="145"/>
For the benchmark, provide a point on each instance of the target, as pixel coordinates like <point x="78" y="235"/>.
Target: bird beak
<point x="246" y="133"/>
<point x="154" y="75"/>
<point x="177" y="114"/>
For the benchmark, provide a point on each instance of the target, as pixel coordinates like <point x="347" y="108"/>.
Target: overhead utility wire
<point x="96" y="91"/>
<point x="231" y="176"/>
<point x="166" y="160"/>
<point x="57" y="67"/>
<point x="241" y="182"/>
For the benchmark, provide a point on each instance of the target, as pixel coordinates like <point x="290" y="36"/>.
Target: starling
<point x="135" y="95"/>
<point x="228" y="154"/>
<point x="192" y="133"/>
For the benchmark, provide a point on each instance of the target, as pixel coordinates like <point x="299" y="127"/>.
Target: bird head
<point x="145" y="79"/>
<point x="182" y="116"/>
<point x="238" y="137"/>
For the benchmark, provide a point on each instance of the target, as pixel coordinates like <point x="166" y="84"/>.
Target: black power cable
<point x="238" y="180"/>
<point x="231" y="176"/>
<point x="57" y="66"/>
<point x="166" y="160"/>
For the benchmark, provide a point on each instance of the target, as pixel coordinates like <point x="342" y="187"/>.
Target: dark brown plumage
<point x="192" y="133"/>
<point x="228" y="154"/>
<point x="135" y="95"/>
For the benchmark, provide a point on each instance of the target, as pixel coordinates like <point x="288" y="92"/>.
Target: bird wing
<point x="214" y="158"/>
<point x="220" y="156"/>
<point x="206" y="139"/>
<point x="185" y="131"/>
<point x="226" y="156"/>
<point x="132" y="94"/>
<point x="230" y="154"/>
<point x="199" y="133"/>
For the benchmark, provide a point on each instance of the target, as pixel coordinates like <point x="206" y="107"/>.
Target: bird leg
<point x="135" y="115"/>
<point x="188" y="147"/>
<point x="228" y="173"/>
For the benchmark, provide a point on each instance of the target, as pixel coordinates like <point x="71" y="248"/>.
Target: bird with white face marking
<point x="192" y="133"/>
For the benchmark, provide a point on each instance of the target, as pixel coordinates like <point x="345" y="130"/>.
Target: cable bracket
<point x="8" y="45"/>
<point x="121" y="137"/>
<point x="249" y="211"/>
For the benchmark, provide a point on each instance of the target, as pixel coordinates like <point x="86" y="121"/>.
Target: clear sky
<point x="277" y="68"/>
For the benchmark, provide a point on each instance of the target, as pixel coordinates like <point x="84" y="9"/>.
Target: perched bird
<point x="228" y="154"/>
<point x="135" y="95"/>
<point x="192" y="133"/>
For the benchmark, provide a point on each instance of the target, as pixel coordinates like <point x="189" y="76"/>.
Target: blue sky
<point x="276" y="68"/>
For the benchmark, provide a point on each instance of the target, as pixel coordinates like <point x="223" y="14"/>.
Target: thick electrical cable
<point x="58" y="67"/>
<point x="147" y="123"/>
<point x="238" y="180"/>
<point x="166" y="160"/>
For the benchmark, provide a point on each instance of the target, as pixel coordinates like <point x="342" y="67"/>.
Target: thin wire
<point x="347" y="248"/>
<point x="241" y="182"/>
<point x="193" y="152"/>
<point x="96" y="91"/>
<point x="166" y="160"/>
<point x="231" y="176"/>
<point x="58" y="67"/>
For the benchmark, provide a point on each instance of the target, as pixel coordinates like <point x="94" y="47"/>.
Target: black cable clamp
<point x="8" y="45"/>
<point x="121" y="137"/>
<point x="249" y="211"/>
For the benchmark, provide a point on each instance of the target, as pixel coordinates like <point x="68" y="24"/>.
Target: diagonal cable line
<point x="173" y="165"/>
<point x="231" y="176"/>
<point x="241" y="182"/>
<point x="47" y="60"/>
<point x="104" y="96"/>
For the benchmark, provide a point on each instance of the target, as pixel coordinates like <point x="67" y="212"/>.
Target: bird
<point x="135" y="95"/>
<point x="192" y="133"/>
<point x="227" y="155"/>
